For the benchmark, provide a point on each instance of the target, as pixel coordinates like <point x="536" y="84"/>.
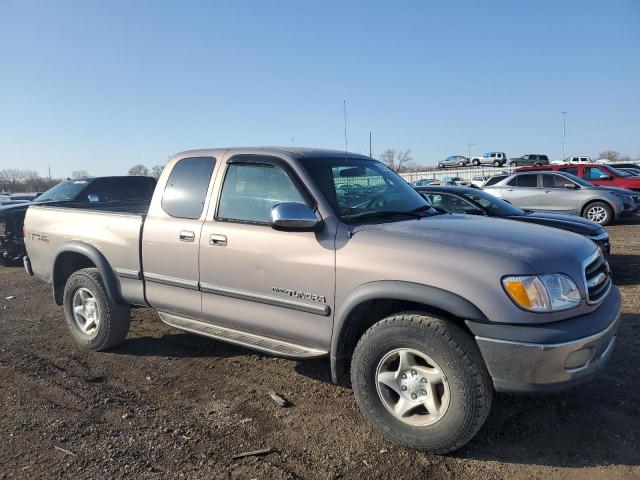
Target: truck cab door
<point x="274" y="284"/>
<point x="171" y="237"/>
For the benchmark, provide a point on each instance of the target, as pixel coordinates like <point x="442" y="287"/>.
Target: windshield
<point x="493" y="204"/>
<point x="66" y="190"/>
<point x="364" y="189"/>
<point x="619" y="173"/>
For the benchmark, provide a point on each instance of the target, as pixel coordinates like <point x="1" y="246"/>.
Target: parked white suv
<point x="575" y="159"/>
<point x="497" y="159"/>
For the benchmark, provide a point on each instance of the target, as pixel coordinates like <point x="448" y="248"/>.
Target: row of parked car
<point x="495" y="159"/>
<point x="577" y="198"/>
<point x="499" y="159"/>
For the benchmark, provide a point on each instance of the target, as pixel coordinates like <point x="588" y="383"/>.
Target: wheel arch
<point x="374" y="301"/>
<point x="74" y="256"/>
<point x="591" y="201"/>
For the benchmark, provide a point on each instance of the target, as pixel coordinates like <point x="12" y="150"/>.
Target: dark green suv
<point x="533" y="159"/>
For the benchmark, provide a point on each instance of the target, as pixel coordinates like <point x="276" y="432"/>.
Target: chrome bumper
<point x="522" y="367"/>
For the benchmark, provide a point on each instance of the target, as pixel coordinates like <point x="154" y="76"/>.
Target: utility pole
<point x="370" y="154"/>
<point x="564" y="131"/>
<point x="469" y="145"/>
<point x="49" y="172"/>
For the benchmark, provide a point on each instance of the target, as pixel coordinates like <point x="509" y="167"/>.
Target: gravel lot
<point x="166" y="404"/>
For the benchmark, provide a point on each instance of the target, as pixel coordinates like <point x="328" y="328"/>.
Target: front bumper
<point x="549" y="357"/>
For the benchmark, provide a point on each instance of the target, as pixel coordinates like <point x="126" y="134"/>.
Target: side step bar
<point x="245" y="339"/>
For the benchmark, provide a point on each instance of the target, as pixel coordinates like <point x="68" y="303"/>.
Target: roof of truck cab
<point x="320" y="153"/>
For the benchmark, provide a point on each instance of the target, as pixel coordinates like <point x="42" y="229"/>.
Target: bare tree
<point x="156" y="171"/>
<point x="397" y="160"/>
<point x="11" y="177"/>
<point x="611" y="155"/>
<point x="139" y="170"/>
<point x="30" y="179"/>
<point x="79" y="174"/>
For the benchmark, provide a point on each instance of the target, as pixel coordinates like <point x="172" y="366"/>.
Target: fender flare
<point x="92" y="253"/>
<point x="395" y="290"/>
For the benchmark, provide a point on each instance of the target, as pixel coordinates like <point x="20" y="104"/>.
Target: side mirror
<point x="295" y="217"/>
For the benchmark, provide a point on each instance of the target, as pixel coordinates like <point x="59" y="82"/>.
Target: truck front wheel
<point x="96" y="322"/>
<point x="421" y="382"/>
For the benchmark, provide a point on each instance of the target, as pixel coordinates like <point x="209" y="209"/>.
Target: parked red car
<point x="602" y="175"/>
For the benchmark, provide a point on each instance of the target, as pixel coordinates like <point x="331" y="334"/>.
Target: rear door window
<point x="120" y="189"/>
<point x="527" y="180"/>
<point x="186" y="190"/>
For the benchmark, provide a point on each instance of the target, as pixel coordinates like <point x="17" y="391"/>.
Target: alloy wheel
<point x="412" y="387"/>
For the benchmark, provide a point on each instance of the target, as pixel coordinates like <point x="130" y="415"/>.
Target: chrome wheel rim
<point x="412" y="387"/>
<point x="85" y="311"/>
<point x="597" y="214"/>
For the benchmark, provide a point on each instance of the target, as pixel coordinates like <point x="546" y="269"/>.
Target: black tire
<point x="513" y="164"/>
<point x="441" y="165"/>
<point x="608" y="212"/>
<point x="496" y="163"/>
<point x="476" y="163"/>
<point x="461" y="164"/>
<point x="114" y="320"/>
<point x="457" y="356"/>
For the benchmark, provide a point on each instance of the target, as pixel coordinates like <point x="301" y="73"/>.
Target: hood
<point x="544" y="249"/>
<point x="14" y="207"/>
<point x="570" y="223"/>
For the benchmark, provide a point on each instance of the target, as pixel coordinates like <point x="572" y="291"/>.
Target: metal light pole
<point x="564" y="131"/>
<point x="469" y="145"/>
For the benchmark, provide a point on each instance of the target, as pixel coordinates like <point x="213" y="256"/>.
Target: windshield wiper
<point x="385" y="214"/>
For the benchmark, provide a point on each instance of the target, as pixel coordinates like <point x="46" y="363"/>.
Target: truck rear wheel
<point x="421" y="382"/>
<point x="95" y="321"/>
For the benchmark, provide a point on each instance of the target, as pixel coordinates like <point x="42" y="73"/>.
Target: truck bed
<point x="114" y="230"/>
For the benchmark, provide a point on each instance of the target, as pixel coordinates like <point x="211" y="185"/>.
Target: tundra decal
<point x="299" y="294"/>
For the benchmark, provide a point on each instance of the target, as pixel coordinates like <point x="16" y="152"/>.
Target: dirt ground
<point x="167" y="404"/>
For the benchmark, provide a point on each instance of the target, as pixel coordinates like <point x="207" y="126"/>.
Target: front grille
<point x="597" y="275"/>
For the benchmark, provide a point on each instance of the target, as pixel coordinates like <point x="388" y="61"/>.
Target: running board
<point x="245" y="339"/>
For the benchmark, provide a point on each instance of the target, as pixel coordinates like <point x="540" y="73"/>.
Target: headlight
<point x="624" y="195"/>
<point x="542" y="293"/>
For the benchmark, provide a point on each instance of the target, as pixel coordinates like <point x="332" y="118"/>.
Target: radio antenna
<point x="346" y="149"/>
<point x="346" y="140"/>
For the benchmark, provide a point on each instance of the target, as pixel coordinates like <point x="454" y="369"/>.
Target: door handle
<point x="187" y="236"/>
<point x="217" y="239"/>
<point x="547" y="191"/>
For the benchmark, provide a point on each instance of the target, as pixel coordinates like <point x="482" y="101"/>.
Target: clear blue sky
<point x="103" y="85"/>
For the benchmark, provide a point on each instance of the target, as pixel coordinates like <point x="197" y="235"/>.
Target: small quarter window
<point x="186" y="189"/>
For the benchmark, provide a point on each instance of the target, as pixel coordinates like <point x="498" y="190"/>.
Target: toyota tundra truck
<point x="308" y="253"/>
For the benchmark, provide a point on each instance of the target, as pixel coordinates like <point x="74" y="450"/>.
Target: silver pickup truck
<point x="310" y="253"/>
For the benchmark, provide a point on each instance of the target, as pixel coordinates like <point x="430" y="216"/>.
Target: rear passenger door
<point x="522" y="191"/>
<point x="171" y="238"/>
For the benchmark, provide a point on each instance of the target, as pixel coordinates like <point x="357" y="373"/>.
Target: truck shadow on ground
<point x="595" y="424"/>
<point x="625" y="269"/>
